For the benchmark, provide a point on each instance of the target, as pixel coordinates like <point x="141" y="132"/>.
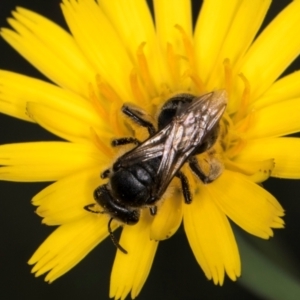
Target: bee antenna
<point x="115" y="242"/>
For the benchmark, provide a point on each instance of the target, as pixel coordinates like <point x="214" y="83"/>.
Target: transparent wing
<point x="177" y="141"/>
<point x="188" y="131"/>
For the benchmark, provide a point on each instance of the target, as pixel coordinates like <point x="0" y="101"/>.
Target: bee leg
<point x="185" y="187"/>
<point x="125" y="141"/>
<point x="215" y="169"/>
<point x="93" y="208"/>
<point x="105" y="174"/>
<point x="140" y="117"/>
<point x="153" y="210"/>
<point x="194" y="165"/>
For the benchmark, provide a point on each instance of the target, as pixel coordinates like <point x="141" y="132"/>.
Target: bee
<point x="187" y="125"/>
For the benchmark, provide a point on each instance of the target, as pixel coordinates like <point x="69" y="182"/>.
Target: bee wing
<point x="151" y="148"/>
<point x="177" y="141"/>
<point x="187" y="131"/>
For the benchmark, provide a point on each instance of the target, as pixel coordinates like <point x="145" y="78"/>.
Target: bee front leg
<point x="153" y="210"/>
<point x="140" y="117"/>
<point x="125" y="141"/>
<point x="105" y="174"/>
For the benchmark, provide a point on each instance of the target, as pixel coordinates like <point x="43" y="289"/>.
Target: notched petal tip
<point x="214" y="247"/>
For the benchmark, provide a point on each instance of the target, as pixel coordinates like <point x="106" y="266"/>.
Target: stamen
<point x="115" y="120"/>
<point x="100" y="145"/>
<point x="228" y="76"/>
<point x="107" y="91"/>
<point x="173" y="63"/>
<point x="95" y="102"/>
<point x="245" y="123"/>
<point x="199" y="86"/>
<point x="190" y="56"/>
<point x="144" y="70"/>
<point x="136" y="88"/>
<point x="244" y="100"/>
<point x="188" y="46"/>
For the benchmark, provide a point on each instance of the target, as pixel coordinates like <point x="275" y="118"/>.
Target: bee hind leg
<point x="185" y="187"/>
<point x="215" y="169"/>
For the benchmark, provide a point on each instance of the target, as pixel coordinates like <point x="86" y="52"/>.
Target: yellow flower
<point x="116" y="54"/>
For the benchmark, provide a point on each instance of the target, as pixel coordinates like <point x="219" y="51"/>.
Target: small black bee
<point x="187" y="125"/>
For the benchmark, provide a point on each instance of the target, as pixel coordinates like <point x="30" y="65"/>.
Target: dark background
<point x="175" y="273"/>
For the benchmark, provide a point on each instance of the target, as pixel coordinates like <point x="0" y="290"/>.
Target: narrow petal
<point x="179" y="14"/>
<point x="16" y="90"/>
<point x="48" y="51"/>
<point x="174" y="34"/>
<point x="133" y="22"/>
<point x="284" y="89"/>
<point x="247" y="204"/>
<point x="63" y="124"/>
<point x="273" y="51"/>
<point x="45" y="161"/>
<point x="211" y="238"/>
<point x="109" y="58"/>
<point x="256" y="170"/>
<point x="168" y="217"/>
<point x="131" y="270"/>
<point x="245" y="24"/>
<point x="68" y="245"/>
<point x="64" y="200"/>
<point x="211" y="31"/>
<point x="279" y="119"/>
<point x="284" y="151"/>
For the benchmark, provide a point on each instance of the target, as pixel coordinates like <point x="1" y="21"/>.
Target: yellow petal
<point x="247" y="204"/>
<point x="211" y="238"/>
<point x="274" y="49"/>
<point x="133" y="22"/>
<point x="48" y="51"/>
<point x="245" y="24"/>
<point x="45" y="161"/>
<point x="100" y="43"/>
<point x="281" y="118"/>
<point x="64" y="200"/>
<point x="257" y="171"/>
<point x="137" y="263"/>
<point x="211" y="31"/>
<point x="284" y="151"/>
<point x="63" y="124"/>
<point x="16" y="90"/>
<point x="168" y="217"/>
<point x="174" y="34"/>
<point x="68" y="245"/>
<point x="178" y="14"/>
<point x="283" y="89"/>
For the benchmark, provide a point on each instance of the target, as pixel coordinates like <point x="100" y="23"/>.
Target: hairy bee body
<point x="187" y="125"/>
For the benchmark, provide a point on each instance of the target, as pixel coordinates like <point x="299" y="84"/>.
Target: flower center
<point x="150" y="95"/>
